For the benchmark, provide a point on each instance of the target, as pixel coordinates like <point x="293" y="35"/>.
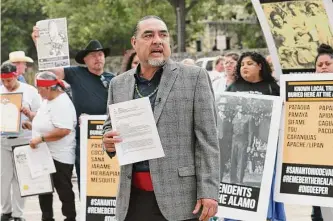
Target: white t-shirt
<point x="31" y="100"/>
<point x="219" y="85"/>
<point x="215" y="75"/>
<point x="57" y="113"/>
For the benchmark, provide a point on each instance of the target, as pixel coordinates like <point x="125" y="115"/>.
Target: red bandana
<point x="8" y="75"/>
<point x="49" y="83"/>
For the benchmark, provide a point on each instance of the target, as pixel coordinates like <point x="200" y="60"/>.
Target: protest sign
<point x="305" y="163"/>
<point x="248" y="127"/>
<point x="99" y="173"/>
<point x="294" y="30"/>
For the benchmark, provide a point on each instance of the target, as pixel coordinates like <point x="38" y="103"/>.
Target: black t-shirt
<point x="89" y="92"/>
<point x="262" y="87"/>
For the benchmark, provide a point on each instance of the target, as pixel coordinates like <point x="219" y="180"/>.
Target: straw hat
<point x="17" y="56"/>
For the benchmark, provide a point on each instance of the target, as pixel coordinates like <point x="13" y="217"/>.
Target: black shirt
<point x="146" y="88"/>
<point x="262" y="87"/>
<point x="89" y="91"/>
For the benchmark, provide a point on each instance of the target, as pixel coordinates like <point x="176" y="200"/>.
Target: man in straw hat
<point x="89" y="84"/>
<point x="19" y="59"/>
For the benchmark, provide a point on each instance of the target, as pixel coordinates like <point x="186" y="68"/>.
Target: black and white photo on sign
<point x="293" y="31"/>
<point x="248" y="126"/>
<point x="52" y="44"/>
<point x="243" y="137"/>
<point x="297" y="31"/>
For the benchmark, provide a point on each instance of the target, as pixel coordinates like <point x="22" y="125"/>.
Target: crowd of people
<point x="184" y="184"/>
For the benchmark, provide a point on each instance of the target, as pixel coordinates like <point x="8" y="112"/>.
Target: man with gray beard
<point x="186" y="180"/>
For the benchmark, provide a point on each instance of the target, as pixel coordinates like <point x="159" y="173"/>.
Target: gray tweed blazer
<point x="186" y="121"/>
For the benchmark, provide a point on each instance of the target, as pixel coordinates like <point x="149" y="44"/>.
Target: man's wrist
<point x="42" y="138"/>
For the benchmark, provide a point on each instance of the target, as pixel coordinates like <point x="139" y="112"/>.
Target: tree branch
<point x="173" y="3"/>
<point x="192" y="4"/>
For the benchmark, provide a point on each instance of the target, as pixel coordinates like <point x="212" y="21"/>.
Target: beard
<point x="156" y="62"/>
<point x="97" y="67"/>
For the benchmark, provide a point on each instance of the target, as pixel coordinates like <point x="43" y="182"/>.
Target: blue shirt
<point x="21" y="79"/>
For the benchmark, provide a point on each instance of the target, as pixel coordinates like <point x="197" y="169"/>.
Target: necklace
<point x="149" y="95"/>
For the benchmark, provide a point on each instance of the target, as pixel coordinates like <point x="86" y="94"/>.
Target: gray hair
<point x="136" y="28"/>
<point x="47" y="75"/>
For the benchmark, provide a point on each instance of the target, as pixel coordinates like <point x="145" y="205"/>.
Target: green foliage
<point x="112" y="21"/>
<point x="194" y="17"/>
<point x="18" y="18"/>
<point x="103" y="20"/>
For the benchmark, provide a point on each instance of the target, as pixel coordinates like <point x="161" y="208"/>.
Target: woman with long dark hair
<point x="254" y="75"/>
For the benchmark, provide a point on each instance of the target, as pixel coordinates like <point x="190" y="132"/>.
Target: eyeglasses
<point x="230" y="63"/>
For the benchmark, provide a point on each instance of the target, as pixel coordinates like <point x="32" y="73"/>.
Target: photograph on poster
<point x="243" y="137"/>
<point x="298" y="28"/>
<point x="248" y="125"/>
<point x="52" y="44"/>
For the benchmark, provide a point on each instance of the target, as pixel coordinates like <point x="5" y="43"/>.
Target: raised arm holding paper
<point x="89" y="85"/>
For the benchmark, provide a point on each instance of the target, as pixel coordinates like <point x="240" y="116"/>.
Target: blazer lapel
<point x="129" y="86"/>
<point x="168" y="78"/>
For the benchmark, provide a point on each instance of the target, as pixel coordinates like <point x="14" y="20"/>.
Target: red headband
<point x="8" y="75"/>
<point x="49" y="83"/>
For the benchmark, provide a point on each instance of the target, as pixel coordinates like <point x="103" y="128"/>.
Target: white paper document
<point x="28" y="185"/>
<point x="134" y="120"/>
<point x="40" y="161"/>
<point x="52" y="44"/>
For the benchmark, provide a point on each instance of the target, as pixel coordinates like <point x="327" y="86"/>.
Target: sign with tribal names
<point x="99" y="173"/>
<point x="305" y="162"/>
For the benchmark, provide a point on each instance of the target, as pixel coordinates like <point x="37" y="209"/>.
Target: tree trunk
<point x="181" y="11"/>
<point x="182" y="30"/>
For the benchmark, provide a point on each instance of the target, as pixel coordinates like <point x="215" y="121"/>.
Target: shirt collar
<point x="156" y="78"/>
